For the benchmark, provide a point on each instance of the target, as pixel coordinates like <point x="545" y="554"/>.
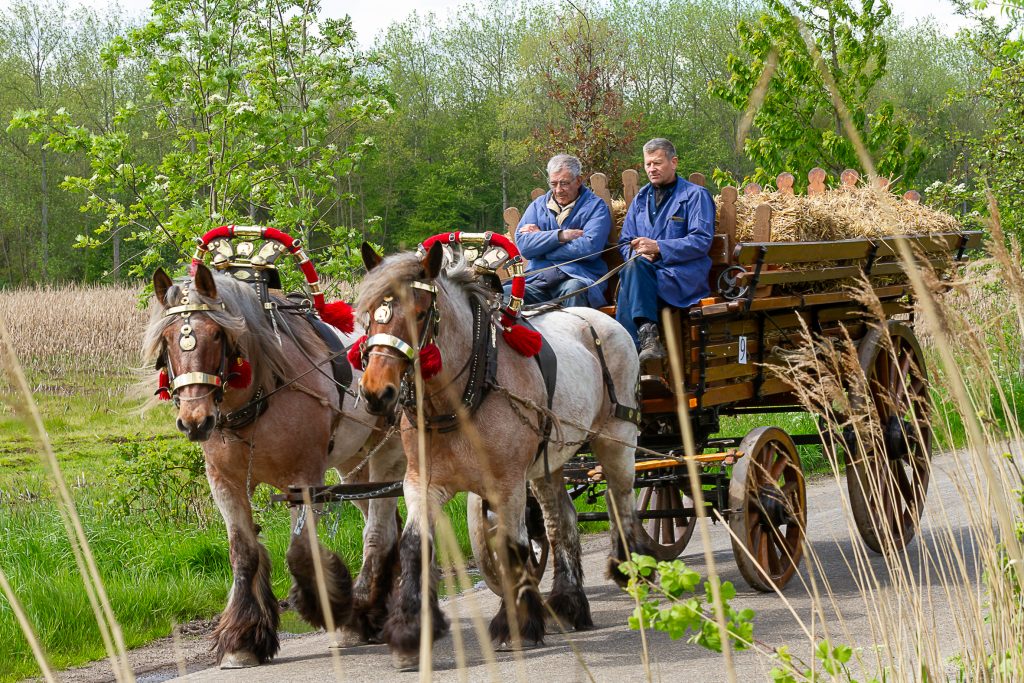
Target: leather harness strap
<point x="547" y="361"/>
<point x="618" y="410"/>
<point x="483" y="371"/>
<point x="340" y="367"/>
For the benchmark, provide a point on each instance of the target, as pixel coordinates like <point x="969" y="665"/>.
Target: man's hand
<point x="529" y="227"/>
<point x="569" y="235"/>
<point x="646" y="247"/>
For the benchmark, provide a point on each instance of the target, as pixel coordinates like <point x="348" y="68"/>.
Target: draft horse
<point x="285" y="424"/>
<point x="411" y="305"/>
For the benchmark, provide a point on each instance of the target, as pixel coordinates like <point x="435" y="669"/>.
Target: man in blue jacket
<point x="670" y="224"/>
<point x="562" y="234"/>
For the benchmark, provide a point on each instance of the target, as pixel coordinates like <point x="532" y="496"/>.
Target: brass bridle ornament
<point x="187" y="343"/>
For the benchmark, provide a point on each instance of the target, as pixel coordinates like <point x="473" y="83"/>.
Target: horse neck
<point x="454" y="337"/>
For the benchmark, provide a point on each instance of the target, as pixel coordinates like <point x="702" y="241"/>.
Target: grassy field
<point x="145" y="507"/>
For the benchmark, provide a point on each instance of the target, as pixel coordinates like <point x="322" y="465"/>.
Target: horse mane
<point x="398" y="270"/>
<point x="246" y="325"/>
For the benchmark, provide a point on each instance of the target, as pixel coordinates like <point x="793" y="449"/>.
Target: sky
<point x="371" y="17"/>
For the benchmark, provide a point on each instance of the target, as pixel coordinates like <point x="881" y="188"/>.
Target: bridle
<point x="426" y="333"/>
<point x="187" y="343"/>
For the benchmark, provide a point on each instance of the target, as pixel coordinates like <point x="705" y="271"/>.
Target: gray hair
<point x="660" y="144"/>
<point x="566" y="161"/>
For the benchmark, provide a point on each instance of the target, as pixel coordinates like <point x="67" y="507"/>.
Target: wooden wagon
<point x="768" y="300"/>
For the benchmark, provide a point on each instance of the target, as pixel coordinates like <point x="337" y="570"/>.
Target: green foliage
<point x="666" y="604"/>
<point x="799" y="125"/>
<point x="830" y="660"/>
<point x="158" y="482"/>
<point x="997" y="152"/>
<point x="248" y="102"/>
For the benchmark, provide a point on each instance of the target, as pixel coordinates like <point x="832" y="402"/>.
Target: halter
<point x="383" y="313"/>
<point x="187" y="342"/>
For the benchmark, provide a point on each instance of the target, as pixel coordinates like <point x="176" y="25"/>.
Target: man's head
<point x="660" y="161"/>
<point x="564" y="178"/>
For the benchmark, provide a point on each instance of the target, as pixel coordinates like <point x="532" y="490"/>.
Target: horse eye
<point x="421" y="316"/>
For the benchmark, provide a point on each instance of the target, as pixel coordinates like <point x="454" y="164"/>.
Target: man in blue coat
<point x="670" y="224"/>
<point x="562" y="234"/>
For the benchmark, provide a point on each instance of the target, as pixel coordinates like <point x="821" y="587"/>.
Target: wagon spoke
<point x="677" y="504"/>
<point x="778" y="466"/>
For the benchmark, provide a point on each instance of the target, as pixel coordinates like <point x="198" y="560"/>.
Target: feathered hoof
<point x="405" y="661"/>
<point x="345" y="638"/>
<point x="243" y="659"/>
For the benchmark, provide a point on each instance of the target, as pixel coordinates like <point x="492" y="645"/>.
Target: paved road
<point x="611" y="652"/>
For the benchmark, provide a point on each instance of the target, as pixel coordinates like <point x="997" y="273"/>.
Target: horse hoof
<point x="345" y="638"/>
<point x="239" y="660"/>
<point x="406" y="661"/>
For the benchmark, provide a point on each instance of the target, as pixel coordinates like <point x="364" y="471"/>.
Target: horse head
<point x="402" y="321"/>
<point x="196" y="352"/>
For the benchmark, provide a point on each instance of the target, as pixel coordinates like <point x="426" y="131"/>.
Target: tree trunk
<point x="45" y="214"/>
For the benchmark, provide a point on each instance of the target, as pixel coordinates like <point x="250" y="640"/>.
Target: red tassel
<point x="524" y="341"/>
<point x="163" y="391"/>
<point x="430" y="361"/>
<point x="339" y="314"/>
<point x="240" y="375"/>
<point x="355" y="353"/>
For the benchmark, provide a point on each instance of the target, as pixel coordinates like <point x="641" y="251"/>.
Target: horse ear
<point x="433" y="260"/>
<point x="161" y="283"/>
<point x="370" y="257"/>
<point x="204" y="282"/>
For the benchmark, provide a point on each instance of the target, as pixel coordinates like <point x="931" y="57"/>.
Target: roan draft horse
<point x="412" y="305"/>
<point x="284" y="425"/>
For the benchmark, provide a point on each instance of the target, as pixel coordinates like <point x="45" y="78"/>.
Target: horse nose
<point x="382" y="402"/>
<point x="197" y="432"/>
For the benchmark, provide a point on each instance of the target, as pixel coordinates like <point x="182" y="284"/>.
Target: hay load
<point x="837" y="214"/>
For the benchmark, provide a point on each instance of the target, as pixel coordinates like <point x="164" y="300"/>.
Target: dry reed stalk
<point x="26" y="628"/>
<point x="321" y="582"/>
<point x="697" y="492"/>
<point x="24" y="405"/>
<point x="447" y="540"/>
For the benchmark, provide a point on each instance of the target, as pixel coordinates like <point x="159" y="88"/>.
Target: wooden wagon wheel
<point x="483" y="531"/>
<point x="888" y="464"/>
<point x="667" y="536"/>
<point x="767" y="509"/>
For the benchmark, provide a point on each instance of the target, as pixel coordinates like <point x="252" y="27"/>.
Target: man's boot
<point x="651" y="347"/>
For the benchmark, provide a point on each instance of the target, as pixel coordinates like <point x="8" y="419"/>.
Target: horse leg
<point x="518" y="581"/>
<point x="402" y="628"/>
<point x="305" y="593"/>
<point x="619" y="468"/>
<point x="246" y="634"/>
<point x="380" y="569"/>
<point x="567" y="601"/>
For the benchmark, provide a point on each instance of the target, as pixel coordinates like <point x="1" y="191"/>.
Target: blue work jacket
<point x="683" y="226"/>
<point x="591" y="215"/>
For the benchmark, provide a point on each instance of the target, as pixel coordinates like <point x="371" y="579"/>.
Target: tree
<point x="248" y="102"/>
<point x="997" y="153"/>
<point x="584" y="80"/>
<point x="800" y="122"/>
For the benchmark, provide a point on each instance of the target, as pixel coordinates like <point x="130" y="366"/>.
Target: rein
<point x="604" y="278"/>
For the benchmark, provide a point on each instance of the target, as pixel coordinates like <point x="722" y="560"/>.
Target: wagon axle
<point x="897" y="435"/>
